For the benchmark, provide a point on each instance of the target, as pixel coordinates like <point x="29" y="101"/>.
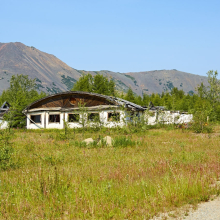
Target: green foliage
<point x="97" y="84"/>
<point x="61" y="136"/>
<point x="177" y="100"/>
<point x="80" y="144"/>
<point x="5" y="157"/>
<point x="130" y="95"/>
<point x="103" y="86"/>
<point x="22" y="92"/>
<point x="85" y="83"/>
<point x="123" y="141"/>
<point x="211" y="93"/>
<point x="64" y="134"/>
<point x="95" y="121"/>
<point x="6" y="150"/>
<point x="201" y="115"/>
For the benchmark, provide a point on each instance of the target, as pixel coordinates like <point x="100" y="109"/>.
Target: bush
<point x="61" y="137"/>
<point x="123" y="142"/>
<point x="201" y="115"/>
<point x="6" y="150"/>
<point x="81" y="144"/>
<point x="200" y="123"/>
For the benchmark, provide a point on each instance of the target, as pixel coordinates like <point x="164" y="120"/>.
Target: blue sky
<point x="119" y="35"/>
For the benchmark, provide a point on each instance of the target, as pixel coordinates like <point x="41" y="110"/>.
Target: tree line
<point x="23" y="91"/>
<point x="206" y="99"/>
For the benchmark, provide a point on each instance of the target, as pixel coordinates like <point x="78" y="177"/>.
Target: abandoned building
<point x="89" y="109"/>
<point x="79" y="109"/>
<point x="158" y="114"/>
<point x="3" y="109"/>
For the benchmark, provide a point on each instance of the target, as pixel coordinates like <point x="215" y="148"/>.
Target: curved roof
<point x="91" y="99"/>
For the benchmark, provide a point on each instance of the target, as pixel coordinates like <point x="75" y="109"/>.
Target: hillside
<point x="155" y="81"/>
<point x="52" y="75"/>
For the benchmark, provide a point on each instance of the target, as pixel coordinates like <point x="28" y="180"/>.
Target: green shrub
<point x="201" y="115"/>
<point x="123" y="142"/>
<point x="200" y="123"/>
<point x="101" y="143"/>
<point x="80" y="144"/>
<point x="61" y="137"/>
<point x="6" y="150"/>
<point x="5" y="157"/>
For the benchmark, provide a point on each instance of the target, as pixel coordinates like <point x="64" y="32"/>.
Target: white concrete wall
<point x="177" y="118"/>
<point x="167" y="117"/>
<point x="37" y="125"/>
<point x="73" y="124"/>
<point x="45" y="120"/>
<point x="58" y="125"/>
<point x="150" y="120"/>
<point x="103" y="118"/>
<point x="185" y="118"/>
<point x="64" y="116"/>
<point x="112" y="124"/>
<point x="3" y="124"/>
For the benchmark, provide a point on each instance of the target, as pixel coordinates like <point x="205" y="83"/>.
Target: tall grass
<point x="139" y="176"/>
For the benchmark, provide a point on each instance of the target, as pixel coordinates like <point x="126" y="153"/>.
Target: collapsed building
<point x="158" y="114"/>
<point x="81" y="109"/>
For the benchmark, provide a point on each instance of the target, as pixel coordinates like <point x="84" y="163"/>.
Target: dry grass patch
<point x="55" y="179"/>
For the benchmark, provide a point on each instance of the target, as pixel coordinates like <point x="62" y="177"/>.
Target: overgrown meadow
<point x="52" y="174"/>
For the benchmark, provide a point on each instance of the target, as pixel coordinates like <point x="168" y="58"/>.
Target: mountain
<point x="156" y="81"/>
<point x="52" y="75"/>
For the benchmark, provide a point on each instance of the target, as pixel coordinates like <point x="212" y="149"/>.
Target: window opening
<point x="93" y="116"/>
<point x="73" y="118"/>
<point x="36" y="118"/>
<point x="54" y="118"/>
<point x="113" y="116"/>
<point x="134" y="116"/>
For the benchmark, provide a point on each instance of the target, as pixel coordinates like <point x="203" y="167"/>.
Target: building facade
<point x="80" y="109"/>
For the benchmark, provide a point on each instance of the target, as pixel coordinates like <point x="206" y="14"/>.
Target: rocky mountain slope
<point x="52" y="75"/>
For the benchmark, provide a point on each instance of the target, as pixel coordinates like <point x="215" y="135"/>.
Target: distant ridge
<point x="52" y="75"/>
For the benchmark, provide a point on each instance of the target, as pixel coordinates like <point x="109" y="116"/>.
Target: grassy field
<point x="147" y="172"/>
